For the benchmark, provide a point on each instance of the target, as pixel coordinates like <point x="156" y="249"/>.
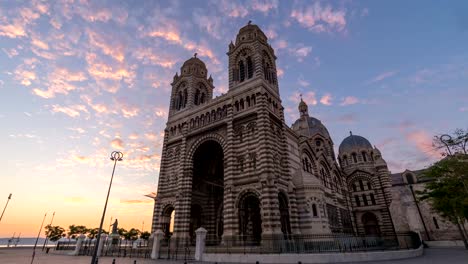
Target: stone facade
<point x="232" y="165"/>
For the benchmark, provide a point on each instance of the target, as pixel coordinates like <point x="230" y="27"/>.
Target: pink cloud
<point x="232" y="9"/>
<point x="103" y="71"/>
<point x="326" y="99"/>
<point x="382" y="76"/>
<point x="349" y="100"/>
<point x="423" y="142"/>
<point x="108" y="47"/>
<point x="348" y="118"/>
<point x="12" y="30"/>
<point x="71" y="111"/>
<point x="317" y="18"/>
<point x="308" y="97"/>
<point x="264" y="6"/>
<point x="149" y="56"/>
<point x="60" y="81"/>
<point x="300" y="52"/>
<point x="117" y="143"/>
<point x="35" y="41"/>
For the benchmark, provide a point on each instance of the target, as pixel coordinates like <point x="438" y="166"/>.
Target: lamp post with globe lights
<point x="115" y="156"/>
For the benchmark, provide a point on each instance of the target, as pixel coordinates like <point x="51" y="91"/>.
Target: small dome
<point x="250" y="32"/>
<point x="308" y="126"/>
<point x="354" y="143"/>
<point x="194" y="66"/>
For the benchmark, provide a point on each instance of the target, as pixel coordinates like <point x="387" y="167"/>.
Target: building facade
<point x="232" y="165"/>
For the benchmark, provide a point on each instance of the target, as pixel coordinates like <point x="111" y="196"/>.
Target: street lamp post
<point x="47" y="237"/>
<point x="9" y="197"/>
<point x="115" y="156"/>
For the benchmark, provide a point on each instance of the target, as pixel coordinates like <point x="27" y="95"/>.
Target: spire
<point x="350" y="133"/>
<point x="303" y="109"/>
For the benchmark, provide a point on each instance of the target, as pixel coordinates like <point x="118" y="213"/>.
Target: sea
<point x="23" y="242"/>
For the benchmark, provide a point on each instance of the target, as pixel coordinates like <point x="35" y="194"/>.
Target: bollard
<point x="134" y="262"/>
<point x="299" y="262"/>
<point x="113" y="261"/>
<point x="257" y="262"/>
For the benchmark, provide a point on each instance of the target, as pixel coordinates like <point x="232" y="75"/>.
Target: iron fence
<point x="326" y="243"/>
<point x="177" y="249"/>
<point x="118" y="248"/>
<point x="65" y="245"/>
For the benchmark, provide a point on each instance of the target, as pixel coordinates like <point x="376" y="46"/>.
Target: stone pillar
<point x="79" y="243"/>
<point x="101" y="244"/>
<point x="200" y="244"/>
<point x="157" y="236"/>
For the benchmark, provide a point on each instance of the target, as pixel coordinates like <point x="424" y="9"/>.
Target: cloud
<point x="12" y="31"/>
<point x="149" y="56"/>
<point x="423" y="142"/>
<point x="382" y="77"/>
<point x="75" y="199"/>
<point x="60" y="81"/>
<point x="25" y="76"/>
<point x="117" y="143"/>
<point x="318" y="18"/>
<point x="348" y="118"/>
<point x="326" y="99"/>
<point x="349" y="100"/>
<point x="210" y="24"/>
<point x="79" y="130"/>
<point x="133" y="136"/>
<point x="146" y="201"/>
<point x="35" y="41"/>
<point x="232" y="9"/>
<point x="264" y="6"/>
<point x="300" y="52"/>
<point x="100" y="70"/>
<point x="106" y="45"/>
<point x="308" y="97"/>
<point x="71" y="111"/>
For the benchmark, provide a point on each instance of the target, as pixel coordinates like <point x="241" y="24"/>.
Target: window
<point x="314" y="210"/>
<point x="409" y="178"/>
<point x="354" y="157"/>
<point x="364" y="156"/>
<point x="369" y="187"/>
<point x="185" y="98"/>
<point x="345" y="160"/>
<point x="241" y="71"/>
<point x="356" y="198"/>
<point x="249" y="68"/>
<point x="202" y="98"/>
<point x="354" y="187"/>
<point x="364" y="199"/>
<point x="306" y="164"/>
<point x="372" y="198"/>
<point x="435" y="222"/>
<point x="361" y="185"/>
<point x="197" y="97"/>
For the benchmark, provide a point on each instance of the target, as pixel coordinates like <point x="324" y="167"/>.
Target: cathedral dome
<point x="194" y="66"/>
<point x="308" y="126"/>
<point x="354" y="143"/>
<point x="250" y="32"/>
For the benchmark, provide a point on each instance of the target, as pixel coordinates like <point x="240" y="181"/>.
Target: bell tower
<point x="252" y="58"/>
<point x="192" y="87"/>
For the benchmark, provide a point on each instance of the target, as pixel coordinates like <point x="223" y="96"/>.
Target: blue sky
<point x="80" y="79"/>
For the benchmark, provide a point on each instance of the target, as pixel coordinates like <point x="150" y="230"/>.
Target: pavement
<point x="23" y="256"/>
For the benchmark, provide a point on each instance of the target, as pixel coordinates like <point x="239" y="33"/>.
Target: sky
<point x="80" y="79"/>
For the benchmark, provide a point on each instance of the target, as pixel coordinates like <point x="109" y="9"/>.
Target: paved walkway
<point x="23" y="256"/>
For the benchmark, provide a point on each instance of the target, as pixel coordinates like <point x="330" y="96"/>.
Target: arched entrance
<point x="167" y="220"/>
<point x="371" y="224"/>
<point x="284" y="214"/>
<point x="207" y="190"/>
<point x="250" y="220"/>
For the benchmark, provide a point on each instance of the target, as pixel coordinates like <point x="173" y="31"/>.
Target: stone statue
<point x="115" y="226"/>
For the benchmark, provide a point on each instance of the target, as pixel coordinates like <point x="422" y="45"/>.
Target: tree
<point x="122" y="231"/>
<point x="145" y="235"/>
<point x="74" y="230"/>
<point x="132" y="234"/>
<point x="92" y="232"/>
<point x="447" y="190"/>
<point x="54" y="233"/>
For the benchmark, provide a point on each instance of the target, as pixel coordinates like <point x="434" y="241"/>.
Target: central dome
<point x="353" y="143"/>
<point x="194" y="66"/>
<point x="308" y="126"/>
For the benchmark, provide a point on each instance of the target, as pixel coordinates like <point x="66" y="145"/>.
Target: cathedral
<point x="232" y="165"/>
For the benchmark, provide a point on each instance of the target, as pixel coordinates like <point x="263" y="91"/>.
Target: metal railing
<point x="65" y="245"/>
<point x="118" y="248"/>
<point x="177" y="249"/>
<point x="319" y="243"/>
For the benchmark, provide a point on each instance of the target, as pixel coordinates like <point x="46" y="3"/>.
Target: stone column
<point x="101" y="244"/>
<point x="157" y="236"/>
<point x="200" y="244"/>
<point x="79" y="243"/>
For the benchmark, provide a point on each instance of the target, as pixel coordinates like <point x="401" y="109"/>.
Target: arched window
<point x="250" y="68"/>
<point x="361" y="185"/>
<point x="242" y="104"/>
<point x="306" y="164"/>
<point x="354" y="187"/>
<point x="202" y="98"/>
<point x="241" y="71"/>
<point x="248" y="101"/>
<point x="185" y="97"/>
<point x="409" y="178"/>
<point x="364" y="198"/>
<point x="356" y="198"/>
<point x="314" y="210"/>
<point x="179" y="101"/>
<point x="237" y="106"/>
<point x="345" y="160"/>
<point x="364" y="156"/>
<point x="369" y="186"/>
<point x="253" y="99"/>
<point x="354" y="157"/>
<point x="197" y="97"/>
<point x="372" y="198"/>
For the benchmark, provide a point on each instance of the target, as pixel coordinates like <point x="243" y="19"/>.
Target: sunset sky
<point x="79" y="79"/>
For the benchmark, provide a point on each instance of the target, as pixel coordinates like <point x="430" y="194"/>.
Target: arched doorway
<point x="284" y="214"/>
<point x="371" y="224"/>
<point x="167" y="220"/>
<point x="250" y="220"/>
<point x="207" y="190"/>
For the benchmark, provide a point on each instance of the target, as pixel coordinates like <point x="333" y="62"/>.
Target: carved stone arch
<point x="245" y="51"/>
<point x="241" y="195"/>
<point x="360" y="176"/>
<point x="212" y="136"/>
